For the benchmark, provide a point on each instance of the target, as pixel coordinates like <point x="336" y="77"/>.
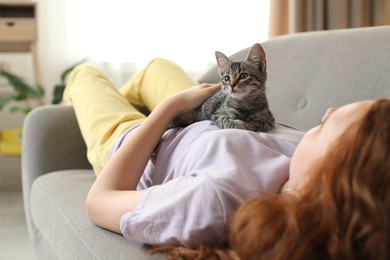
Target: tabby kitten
<point x="241" y="103"/>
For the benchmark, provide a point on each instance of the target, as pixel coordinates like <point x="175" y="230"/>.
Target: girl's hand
<point x="190" y="99"/>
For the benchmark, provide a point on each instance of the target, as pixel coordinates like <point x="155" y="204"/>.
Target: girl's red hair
<point x="344" y="210"/>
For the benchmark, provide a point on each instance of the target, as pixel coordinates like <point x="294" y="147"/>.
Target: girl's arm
<point x="113" y="192"/>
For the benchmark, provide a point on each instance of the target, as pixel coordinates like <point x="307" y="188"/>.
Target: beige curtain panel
<point x="290" y="16"/>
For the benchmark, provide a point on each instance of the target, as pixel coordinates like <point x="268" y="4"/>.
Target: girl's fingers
<point x="207" y="85"/>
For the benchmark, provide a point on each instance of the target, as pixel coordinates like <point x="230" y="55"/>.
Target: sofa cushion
<point x="58" y="210"/>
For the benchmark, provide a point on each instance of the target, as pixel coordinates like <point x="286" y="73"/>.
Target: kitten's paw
<point x="260" y="126"/>
<point x="237" y="124"/>
<point x="184" y="120"/>
<point x="268" y="126"/>
<point x="225" y="122"/>
<point x="222" y="122"/>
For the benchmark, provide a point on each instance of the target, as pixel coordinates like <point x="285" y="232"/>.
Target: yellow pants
<point x="104" y="112"/>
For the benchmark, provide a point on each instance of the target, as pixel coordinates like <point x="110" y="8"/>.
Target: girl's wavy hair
<point x="344" y="210"/>
<point x="342" y="213"/>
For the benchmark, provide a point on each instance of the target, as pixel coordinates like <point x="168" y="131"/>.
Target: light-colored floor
<point x="14" y="240"/>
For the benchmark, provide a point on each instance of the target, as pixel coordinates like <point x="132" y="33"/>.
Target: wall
<point x="117" y="34"/>
<point x="53" y="51"/>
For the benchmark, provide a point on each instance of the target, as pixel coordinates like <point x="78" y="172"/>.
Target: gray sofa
<point x="308" y="72"/>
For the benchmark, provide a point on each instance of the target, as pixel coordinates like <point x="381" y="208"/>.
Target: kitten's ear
<point x="256" y="56"/>
<point x="222" y="61"/>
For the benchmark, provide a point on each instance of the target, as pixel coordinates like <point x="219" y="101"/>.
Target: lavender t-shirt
<point x="199" y="175"/>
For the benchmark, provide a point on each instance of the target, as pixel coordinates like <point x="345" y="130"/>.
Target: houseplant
<point x="24" y="97"/>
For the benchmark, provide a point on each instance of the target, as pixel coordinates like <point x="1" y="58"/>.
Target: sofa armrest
<point x="52" y="141"/>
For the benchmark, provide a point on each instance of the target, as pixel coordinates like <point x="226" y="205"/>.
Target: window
<point x="125" y="35"/>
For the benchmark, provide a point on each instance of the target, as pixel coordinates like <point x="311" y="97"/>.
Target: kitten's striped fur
<point x="242" y="101"/>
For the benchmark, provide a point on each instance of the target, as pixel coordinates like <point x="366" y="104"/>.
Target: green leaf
<point x="21" y="109"/>
<point x="58" y="93"/>
<point x="17" y="82"/>
<point x="21" y="96"/>
<point x="4" y="100"/>
<point x="23" y="89"/>
<point x="68" y="70"/>
<point x="37" y="92"/>
<point x="40" y="91"/>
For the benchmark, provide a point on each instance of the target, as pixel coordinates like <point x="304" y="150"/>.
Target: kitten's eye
<point x="226" y="78"/>
<point x="243" y="75"/>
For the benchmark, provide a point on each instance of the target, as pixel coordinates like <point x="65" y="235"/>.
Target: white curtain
<point x="121" y="36"/>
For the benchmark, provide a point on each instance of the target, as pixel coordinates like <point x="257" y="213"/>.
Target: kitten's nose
<point x="233" y="83"/>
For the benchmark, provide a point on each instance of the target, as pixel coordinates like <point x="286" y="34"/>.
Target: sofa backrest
<point x="310" y="72"/>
